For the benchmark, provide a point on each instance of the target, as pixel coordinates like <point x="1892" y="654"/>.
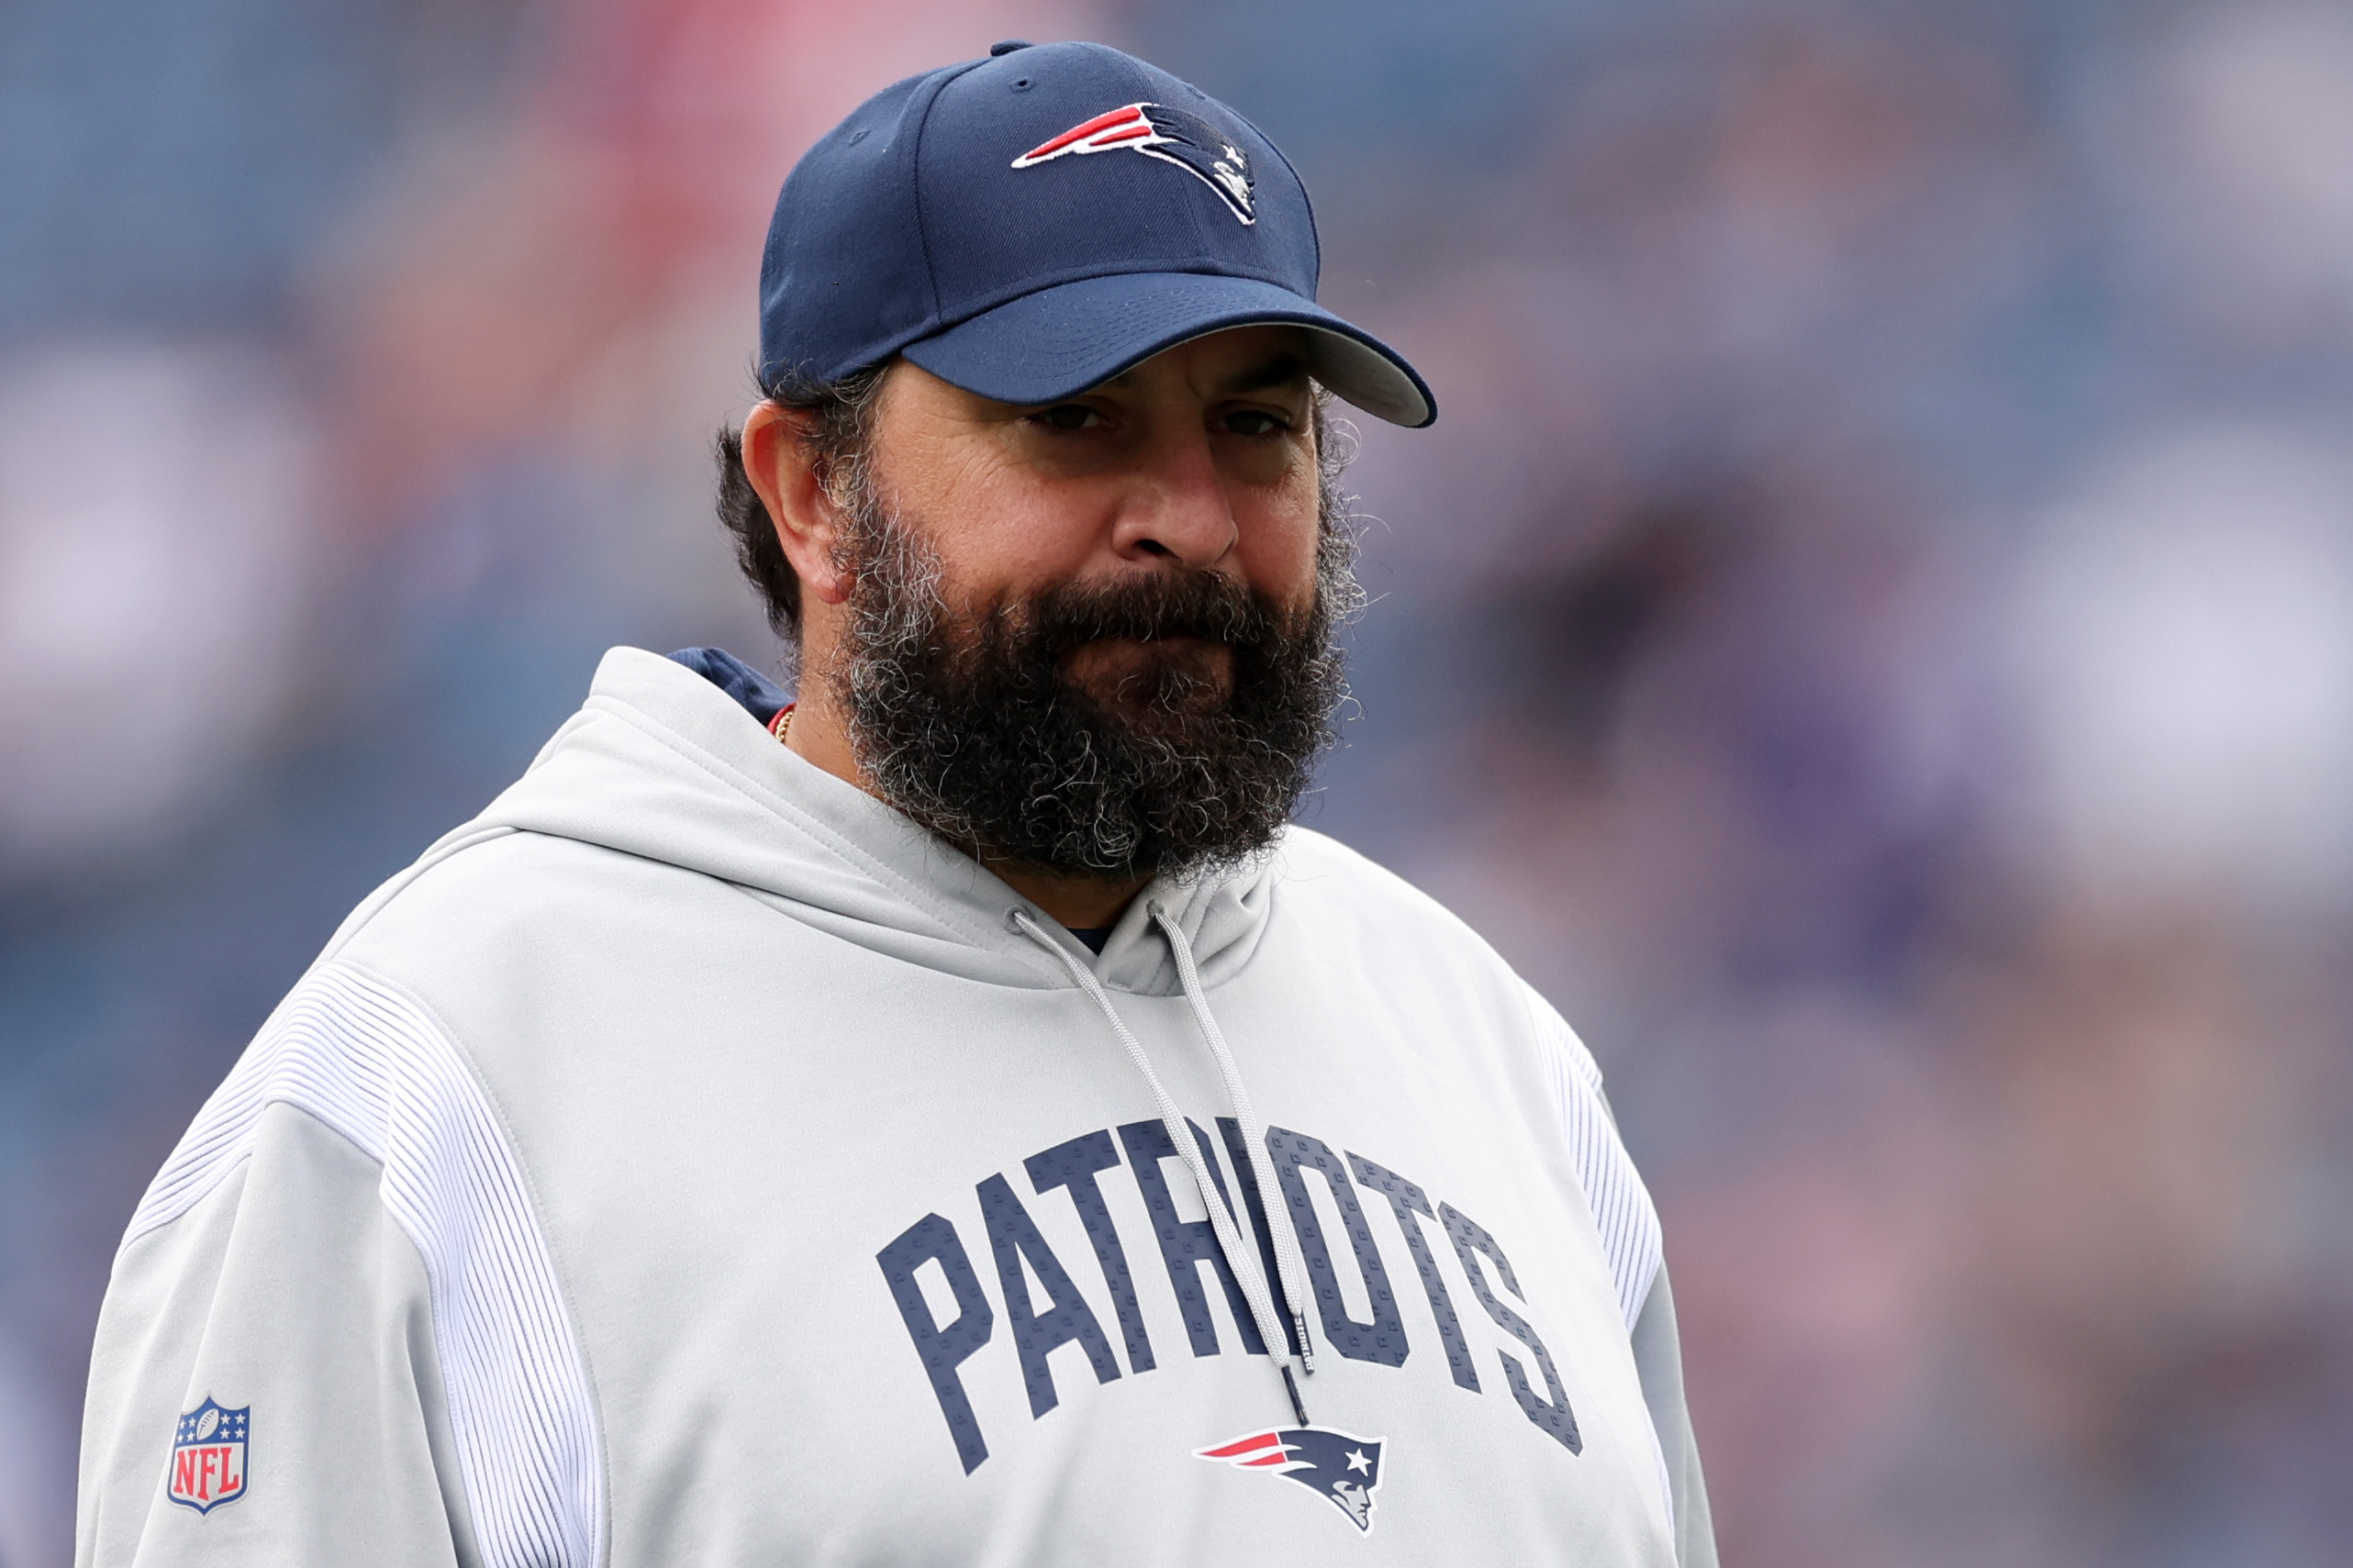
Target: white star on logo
<point x="1356" y="1461"/>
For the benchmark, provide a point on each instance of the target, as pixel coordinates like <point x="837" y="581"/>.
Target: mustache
<point x="1202" y="605"/>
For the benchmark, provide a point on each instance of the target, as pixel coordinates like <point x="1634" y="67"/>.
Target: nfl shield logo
<point x="208" y="1456"/>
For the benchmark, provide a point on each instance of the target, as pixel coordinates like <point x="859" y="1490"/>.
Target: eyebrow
<point x="1280" y="371"/>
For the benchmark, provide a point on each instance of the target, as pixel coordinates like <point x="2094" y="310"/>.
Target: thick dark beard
<point x="969" y="723"/>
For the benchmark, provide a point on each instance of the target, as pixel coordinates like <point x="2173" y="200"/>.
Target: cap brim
<point x="1059" y="342"/>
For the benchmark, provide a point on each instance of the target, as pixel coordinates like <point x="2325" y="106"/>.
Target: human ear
<point x="781" y="462"/>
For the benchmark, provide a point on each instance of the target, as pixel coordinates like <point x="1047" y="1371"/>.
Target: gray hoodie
<point x="690" y="1159"/>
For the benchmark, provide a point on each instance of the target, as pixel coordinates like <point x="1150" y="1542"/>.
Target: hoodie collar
<point x="664" y="761"/>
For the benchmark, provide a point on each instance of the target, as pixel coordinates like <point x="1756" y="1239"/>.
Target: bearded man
<point x="976" y="1129"/>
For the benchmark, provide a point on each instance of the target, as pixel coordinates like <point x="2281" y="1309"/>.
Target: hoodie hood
<point x="664" y="764"/>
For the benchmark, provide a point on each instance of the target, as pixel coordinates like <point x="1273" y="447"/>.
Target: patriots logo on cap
<point x="208" y="1456"/>
<point x="1189" y="142"/>
<point x="1340" y="1465"/>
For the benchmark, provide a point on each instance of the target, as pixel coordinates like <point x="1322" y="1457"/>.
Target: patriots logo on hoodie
<point x="1171" y="136"/>
<point x="1345" y="1468"/>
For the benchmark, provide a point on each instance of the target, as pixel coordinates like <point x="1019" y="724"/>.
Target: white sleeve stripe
<point x="1622" y="1211"/>
<point x="374" y="1067"/>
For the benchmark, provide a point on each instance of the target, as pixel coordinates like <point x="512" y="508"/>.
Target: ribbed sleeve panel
<point x="1621" y="1207"/>
<point x="373" y="1066"/>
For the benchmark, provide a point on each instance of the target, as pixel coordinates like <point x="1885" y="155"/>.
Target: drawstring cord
<point x="1242" y="1260"/>
<point x="1289" y="1261"/>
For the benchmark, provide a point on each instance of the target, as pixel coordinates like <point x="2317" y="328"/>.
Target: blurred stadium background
<point x="1871" y="635"/>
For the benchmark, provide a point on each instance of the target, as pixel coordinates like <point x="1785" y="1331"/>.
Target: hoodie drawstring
<point x="1242" y="1260"/>
<point x="1289" y="1260"/>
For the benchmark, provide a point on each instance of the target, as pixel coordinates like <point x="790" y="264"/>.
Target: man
<point x="976" y="1129"/>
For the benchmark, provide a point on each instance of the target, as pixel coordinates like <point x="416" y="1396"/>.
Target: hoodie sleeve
<point x="286" y="1312"/>
<point x="1658" y="1358"/>
<point x="335" y="1333"/>
<point x="1630" y="1241"/>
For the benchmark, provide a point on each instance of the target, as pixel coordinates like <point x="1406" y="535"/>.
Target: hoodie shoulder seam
<point x="370" y="1060"/>
<point x="1373" y="872"/>
<point x="443" y="851"/>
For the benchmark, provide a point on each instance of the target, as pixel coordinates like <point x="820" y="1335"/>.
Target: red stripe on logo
<point x="1241" y="1445"/>
<point x="1081" y="132"/>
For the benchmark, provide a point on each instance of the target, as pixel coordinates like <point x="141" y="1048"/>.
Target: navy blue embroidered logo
<point x="208" y="1456"/>
<point x="1170" y="135"/>
<point x="1342" y="1467"/>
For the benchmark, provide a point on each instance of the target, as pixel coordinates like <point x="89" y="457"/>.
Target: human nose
<point x="1177" y="507"/>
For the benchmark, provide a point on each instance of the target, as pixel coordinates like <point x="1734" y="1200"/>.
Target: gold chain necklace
<point x="781" y="727"/>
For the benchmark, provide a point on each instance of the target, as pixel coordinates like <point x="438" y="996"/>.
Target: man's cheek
<point x="1278" y="553"/>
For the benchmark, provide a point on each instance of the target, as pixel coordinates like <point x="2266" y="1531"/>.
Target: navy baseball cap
<point x="1031" y="225"/>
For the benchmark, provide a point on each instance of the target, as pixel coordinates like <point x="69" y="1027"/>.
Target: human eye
<point x="1069" y="417"/>
<point x="1255" y="422"/>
